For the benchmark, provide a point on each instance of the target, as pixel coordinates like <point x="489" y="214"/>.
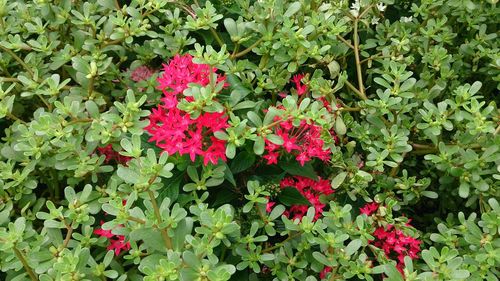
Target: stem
<point x="247" y="50"/>
<point x="345" y="41"/>
<point x="90" y="89"/>
<point x="163" y="231"/>
<point x="19" y="60"/>
<point x="25" y="264"/>
<point x="8" y="79"/>
<point x="497" y="130"/>
<point x="358" y="64"/>
<point x="277" y="245"/>
<point x="117" y="5"/>
<point x="356" y="91"/>
<point x="13" y="117"/>
<point x="350" y="109"/>
<point x="68" y="236"/>
<point x="134" y="219"/>
<point x="216" y="36"/>
<point x="49" y="107"/>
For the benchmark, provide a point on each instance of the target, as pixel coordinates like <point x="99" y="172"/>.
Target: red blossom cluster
<point x="174" y="130"/>
<point x="311" y="190"/>
<point x="112" y="155"/>
<point x="116" y="242"/>
<point x="141" y="73"/>
<point x="303" y="141"/>
<point x="301" y="88"/>
<point x="324" y="272"/>
<point x="393" y="241"/>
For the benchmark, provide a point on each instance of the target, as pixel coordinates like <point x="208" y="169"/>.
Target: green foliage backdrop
<point x="413" y="124"/>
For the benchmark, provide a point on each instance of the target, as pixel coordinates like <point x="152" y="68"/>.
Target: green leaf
<point x="292" y="9"/>
<point x="338" y="180"/>
<point x="291" y="196"/>
<point x="352" y="247"/>
<point x="242" y="161"/>
<point x="294" y="168"/>
<point x="392" y="273"/>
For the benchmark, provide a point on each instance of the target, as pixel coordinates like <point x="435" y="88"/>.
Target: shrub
<point x="249" y="140"/>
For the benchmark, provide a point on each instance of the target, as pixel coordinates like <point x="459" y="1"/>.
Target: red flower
<point x="304" y="142"/>
<point x="116" y="242"/>
<point x="369" y="208"/>
<point x="141" y="73"/>
<point x="112" y="155"/>
<point x="396" y="244"/>
<point x="311" y="190"/>
<point x="301" y="88"/>
<point x="174" y="130"/>
<point x="324" y="272"/>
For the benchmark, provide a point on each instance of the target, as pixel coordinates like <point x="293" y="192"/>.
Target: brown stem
<point x="26" y="266"/>
<point x="68" y="236"/>
<point x="355" y="90"/>
<point x="345" y="41"/>
<point x="358" y="64"/>
<point x="277" y="245"/>
<point x="247" y="50"/>
<point x="19" y="60"/>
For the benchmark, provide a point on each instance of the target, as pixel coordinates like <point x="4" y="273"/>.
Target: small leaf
<point x="292" y="9"/>
<point x="338" y="180"/>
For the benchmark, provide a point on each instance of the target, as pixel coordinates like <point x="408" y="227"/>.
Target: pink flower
<point x="174" y="130"/>
<point x="141" y="73"/>
<point x="396" y="244"/>
<point x="112" y="155"/>
<point x="324" y="272"/>
<point x="369" y="208"/>
<point x="116" y="242"/>
<point x="301" y="88"/>
<point x="311" y="190"/>
<point x="304" y="142"/>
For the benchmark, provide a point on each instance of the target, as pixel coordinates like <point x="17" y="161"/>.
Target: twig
<point x="358" y="64"/>
<point x="345" y="41"/>
<point x="163" y="231"/>
<point x="351" y="86"/>
<point x="68" y="236"/>
<point x="117" y="5"/>
<point x="25" y="264"/>
<point x="216" y="36"/>
<point x="19" y="60"/>
<point x="247" y="50"/>
<point x="13" y="117"/>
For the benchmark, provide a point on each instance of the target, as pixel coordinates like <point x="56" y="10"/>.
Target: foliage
<point x="392" y="104"/>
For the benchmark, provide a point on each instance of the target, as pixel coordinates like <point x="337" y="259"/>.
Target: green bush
<point x="340" y="140"/>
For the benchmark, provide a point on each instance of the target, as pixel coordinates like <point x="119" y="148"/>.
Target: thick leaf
<point x="291" y="196"/>
<point x="242" y="161"/>
<point x="294" y="169"/>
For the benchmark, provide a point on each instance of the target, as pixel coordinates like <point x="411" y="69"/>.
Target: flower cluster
<point x="311" y="190"/>
<point x="112" y="155"/>
<point x="116" y="242"/>
<point x="141" y="73"/>
<point x="174" y="130"/>
<point x="303" y="141"/>
<point x="301" y="88"/>
<point x="393" y="241"/>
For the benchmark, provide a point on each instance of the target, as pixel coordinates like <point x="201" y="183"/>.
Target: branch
<point x="25" y="264"/>
<point x="358" y="63"/>
<point x="163" y="231"/>
<point x="247" y="50"/>
<point x="19" y="60"/>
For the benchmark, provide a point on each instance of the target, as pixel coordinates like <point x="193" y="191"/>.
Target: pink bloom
<point x="304" y="142"/>
<point x="174" y="130"/>
<point x="324" y="272"/>
<point x="396" y="244"/>
<point x="112" y="155"/>
<point x="311" y="190"/>
<point x="116" y="242"/>
<point x="369" y="208"/>
<point x="301" y="88"/>
<point x="141" y="73"/>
